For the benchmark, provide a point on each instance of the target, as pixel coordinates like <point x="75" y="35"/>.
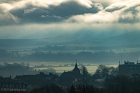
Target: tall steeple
<point x="76" y="66"/>
<point x="76" y="70"/>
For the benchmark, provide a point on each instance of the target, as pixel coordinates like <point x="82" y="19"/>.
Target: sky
<point x="23" y="17"/>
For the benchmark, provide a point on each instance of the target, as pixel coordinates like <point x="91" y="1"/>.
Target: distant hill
<point x="80" y="37"/>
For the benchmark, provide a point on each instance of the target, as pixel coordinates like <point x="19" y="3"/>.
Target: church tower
<point x="76" y="69"/>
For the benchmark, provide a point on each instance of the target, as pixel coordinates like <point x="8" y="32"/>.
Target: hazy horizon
<point x="90" y="31"/>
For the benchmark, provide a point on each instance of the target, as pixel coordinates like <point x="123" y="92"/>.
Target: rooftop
<point x="130" y="63"/>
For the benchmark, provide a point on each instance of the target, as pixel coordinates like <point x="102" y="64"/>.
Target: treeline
<point x="117" y="47"/>
<point x="122" y="84"/>
<point x="112" y="84"/>
<point x="12" y="92"/>
<point x="73" y="89"/>
<point x="99" y="47"/>
<point x="49" y="89"/>
<point x="100" y="56"/>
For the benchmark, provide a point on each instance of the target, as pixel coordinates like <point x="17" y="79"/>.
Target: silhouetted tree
<point x="88" y="89"/>
<point x="118" y="84"/>
<point x="72" y="89"/>
<point x="84" y="71"/>
<point x="135" y="83"/>
<point x="48" y="89"/>
<point x="103" y="71"/>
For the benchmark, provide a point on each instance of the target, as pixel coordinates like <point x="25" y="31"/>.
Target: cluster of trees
<point x="49" y="89"/>
<point x="101" y="73"/>
<point x="85" y="89"/>
<point x="84" y="71"/>
<point x="104" y="71"/>
<point x="122" y="84"/>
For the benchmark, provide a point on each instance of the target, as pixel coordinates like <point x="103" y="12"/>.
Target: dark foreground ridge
<point x="104" y="80"/>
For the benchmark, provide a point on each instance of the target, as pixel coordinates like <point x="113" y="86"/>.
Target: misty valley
<point x="89" y="65"/>
<point x="108" y="49"/>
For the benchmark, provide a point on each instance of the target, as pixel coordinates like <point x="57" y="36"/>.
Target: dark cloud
<point x="81" y="11"/>
<point x="8" y="1"/>
<point x="53" y="13"/>
<point x="73" y="8"/>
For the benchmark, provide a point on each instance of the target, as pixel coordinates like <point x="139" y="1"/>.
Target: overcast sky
<point x="29" y="16"/>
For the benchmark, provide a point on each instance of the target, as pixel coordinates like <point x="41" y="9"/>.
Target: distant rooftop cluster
<point x="129" y="68"/>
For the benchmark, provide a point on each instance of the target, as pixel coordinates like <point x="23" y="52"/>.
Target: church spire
<point x="76" y="69"/>
<point x="76" y="66"/>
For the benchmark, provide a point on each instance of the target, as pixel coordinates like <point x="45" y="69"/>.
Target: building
<point x="40" y="76"/>
<point x="129" y="68"/>
<point x="76" y="70"/>
<point x="70" y="77"/>
<point x="10" y="85"/>
<point x="74" y="73"/>
<point x="38" y="80"/>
